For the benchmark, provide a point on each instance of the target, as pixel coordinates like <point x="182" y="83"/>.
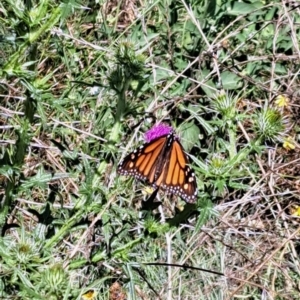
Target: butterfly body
<point x="163" y="163"/>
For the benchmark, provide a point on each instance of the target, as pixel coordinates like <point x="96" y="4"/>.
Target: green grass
<point x="81" y="82"/>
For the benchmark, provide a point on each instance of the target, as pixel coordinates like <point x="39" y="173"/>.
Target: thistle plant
<point x="129" y="67"/>
<point x="269" y="125"/>
<point x="55" y="279"/>
<point x="225" y="106"/>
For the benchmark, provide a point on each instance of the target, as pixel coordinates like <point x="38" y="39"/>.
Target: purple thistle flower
<point x="157" y="131"/>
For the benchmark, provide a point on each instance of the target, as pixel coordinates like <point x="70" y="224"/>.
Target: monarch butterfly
<point x="163" y="163"/>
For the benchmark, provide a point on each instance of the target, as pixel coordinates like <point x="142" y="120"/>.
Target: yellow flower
<point x="281" y="101"/>
<point x="90" y="295"/>
<point x="148" y="190"/>
<point x="289" y="143"/>
<point x="295" y="210"/>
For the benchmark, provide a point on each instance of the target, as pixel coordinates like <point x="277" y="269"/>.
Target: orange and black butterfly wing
<point x="163" y="163"/>
<point x="143" y="163"/>
<point x="177" y="177"/>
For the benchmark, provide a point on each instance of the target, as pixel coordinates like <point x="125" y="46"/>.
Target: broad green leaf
<point x="242" y="8"/>
<point x="230" y="80"/>
<point x="189" y="135"/>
